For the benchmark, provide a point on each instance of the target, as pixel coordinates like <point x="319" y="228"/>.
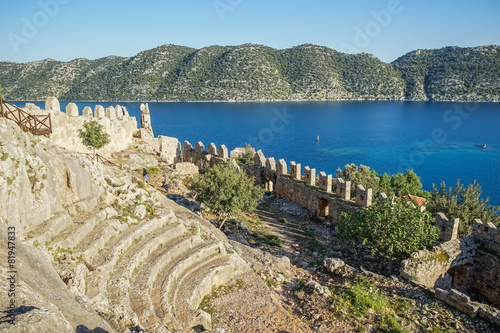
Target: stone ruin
<point x="204" y="158"/>
<point x="460" y="266"/>
<point x="115" y="120"/>
<point x="65" y="125"/>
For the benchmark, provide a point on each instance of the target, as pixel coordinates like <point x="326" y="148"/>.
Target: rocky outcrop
<point x="83" y="247"/>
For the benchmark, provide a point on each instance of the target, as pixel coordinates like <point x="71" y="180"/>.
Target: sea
<point x="439" y="141"/>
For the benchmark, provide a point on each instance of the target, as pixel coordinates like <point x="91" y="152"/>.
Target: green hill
<point x="260" y="73"/>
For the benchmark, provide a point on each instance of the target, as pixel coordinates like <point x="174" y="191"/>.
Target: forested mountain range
<point x="252" y="72"/>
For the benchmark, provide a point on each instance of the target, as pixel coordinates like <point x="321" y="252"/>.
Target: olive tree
<point x="226" y="191"/>
<point x="93" y="135"/>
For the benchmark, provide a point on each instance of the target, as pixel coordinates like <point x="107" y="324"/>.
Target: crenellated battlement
<point x="202" y="157"/>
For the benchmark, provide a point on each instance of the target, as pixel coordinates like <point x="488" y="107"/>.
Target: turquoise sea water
<point x="438" y="140"/>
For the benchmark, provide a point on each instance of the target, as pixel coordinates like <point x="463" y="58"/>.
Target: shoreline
<point x="253" y="101"/>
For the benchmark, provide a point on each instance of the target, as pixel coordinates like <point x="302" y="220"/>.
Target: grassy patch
<point x="356" y="300"/>
<point x="206" y="302"/>
<point x="60" y="250"/>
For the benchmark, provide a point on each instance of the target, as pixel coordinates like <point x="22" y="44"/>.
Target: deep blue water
<point x="438" y="140"/>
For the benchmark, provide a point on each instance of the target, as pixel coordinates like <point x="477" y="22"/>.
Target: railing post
<point x="1" y="106"/>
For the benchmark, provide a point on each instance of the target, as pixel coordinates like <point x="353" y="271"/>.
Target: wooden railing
<point x="36" y="124"/>
<point x="101" y="159"/>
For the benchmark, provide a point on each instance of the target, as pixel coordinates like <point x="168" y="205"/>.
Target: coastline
<point x="259" y="101"/>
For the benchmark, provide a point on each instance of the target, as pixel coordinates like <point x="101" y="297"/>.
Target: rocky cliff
<point x="92" y="249"/>
<point x="259" y="73"/>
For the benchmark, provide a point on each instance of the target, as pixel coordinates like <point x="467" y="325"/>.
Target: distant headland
<point x="252" y="72"/>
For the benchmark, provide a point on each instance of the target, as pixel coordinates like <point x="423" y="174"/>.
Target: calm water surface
<point x="439" y="141"/>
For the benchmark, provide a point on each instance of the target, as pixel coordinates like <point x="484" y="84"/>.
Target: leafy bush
<point x="392" y="231"/>
<point x="227" y="191"/>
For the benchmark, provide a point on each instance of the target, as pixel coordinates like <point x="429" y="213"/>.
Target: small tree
<point x="93" y="135"/>
<point x="361" y="175"/>
<point x="227" y="191"/>
<point x="1" y="92"/>
<point x="247" y="157"/>
<point x="464" y="203"/>
<point x="392" y="231"/>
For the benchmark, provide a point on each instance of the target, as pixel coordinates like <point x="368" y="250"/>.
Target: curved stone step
<point x="81" y="227"/>
<point x="48" y="229"/>
<point x="162" y="287"/>
<point x="198" y="282"/>
<point x="105" y="260"/>
<point x="155" y="269"/>
<point x="119" y="285"/>
<point x="98" y="237"/>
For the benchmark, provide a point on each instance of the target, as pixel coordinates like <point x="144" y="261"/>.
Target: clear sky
<point x="67" y="29"/>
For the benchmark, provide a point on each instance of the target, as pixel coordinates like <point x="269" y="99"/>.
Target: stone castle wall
<point x="470" y="264"/>
<point x="116" y="121"/>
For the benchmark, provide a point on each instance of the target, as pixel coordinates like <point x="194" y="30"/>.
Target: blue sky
<point x="67" y="29"/>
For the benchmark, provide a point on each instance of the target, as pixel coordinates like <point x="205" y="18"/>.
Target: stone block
<point x="344" y="189"/>
<point x="99" y="112"/>
<point x="52" y="103"/>
<point x="448" y="227"/>
<point x="119" y="112"/>
<point x="87" y="112"/>
<point x="199" y="148"/>
<point x="363" y="197"/>
<point x="72" y="110"/>
<point x="259" y="159"/>
<point x="281" y="168"/>
<point x="212" y="149"/>
<point x="295" y="171"/>
<point x="325" y="182"/>
<point x="110" y="113"/>
<point x="222" y="152"/>
<point x="310" y="176"/>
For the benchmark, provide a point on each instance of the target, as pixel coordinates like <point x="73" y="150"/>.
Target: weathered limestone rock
<point x="87" y="112"/>
<point x="222" y="152"/>
<point x="31" y="107"/>
<point x="170" y="149"/>
<point x="332" y="264"/>
<point x="72" y="110"/>
<point x="99" y="112"/>
<point x="237" y="237"/>
<point x="458" y="300"/>
<point x="186" y="168"/>
<point x="52" y="104"/>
